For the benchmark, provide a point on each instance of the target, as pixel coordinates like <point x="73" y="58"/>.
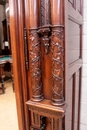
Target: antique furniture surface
<point x="5" y="65"/>
<point x="46" y="40"/>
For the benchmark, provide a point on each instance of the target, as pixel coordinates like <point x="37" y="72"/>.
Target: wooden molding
<point x="18" y="56"/>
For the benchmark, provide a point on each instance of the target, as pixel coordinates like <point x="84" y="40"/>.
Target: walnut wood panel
<point x="73" y="100"/>
<point x="74" y="41"/>
<point x="74" y="13"/>
<point x="73" y="49"/>
<point x="76" y="4"/>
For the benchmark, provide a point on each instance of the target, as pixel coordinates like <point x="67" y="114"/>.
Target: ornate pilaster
<point x="35" y="52"/>
<point x="57" y="48"/>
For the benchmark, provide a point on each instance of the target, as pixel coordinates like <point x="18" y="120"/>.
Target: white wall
<point x="83" y="125"/>
<point x="2" y="17"/>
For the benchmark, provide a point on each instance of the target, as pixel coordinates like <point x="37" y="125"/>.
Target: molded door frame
<point x="19" y="68"/>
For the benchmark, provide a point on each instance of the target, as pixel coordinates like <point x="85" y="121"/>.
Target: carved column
<point x="57" y="48"/>
<point x="44" y="29"/>
<point x="35" y="51"/>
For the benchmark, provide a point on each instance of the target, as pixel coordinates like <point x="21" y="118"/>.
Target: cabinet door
<point x="73" y="62"/>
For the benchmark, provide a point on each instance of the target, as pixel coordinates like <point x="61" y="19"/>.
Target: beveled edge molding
<point x="45" y="108"/>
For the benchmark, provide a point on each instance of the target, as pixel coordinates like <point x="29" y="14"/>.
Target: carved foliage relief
<point x="35" y="59"/>
<point x="57" y="48"/>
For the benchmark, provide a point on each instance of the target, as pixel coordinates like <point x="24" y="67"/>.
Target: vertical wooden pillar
<point x="44" y="12"/>
<point x="35" y="51"/>
<point x="44" y="28"/>
<point x="57" y="48"/>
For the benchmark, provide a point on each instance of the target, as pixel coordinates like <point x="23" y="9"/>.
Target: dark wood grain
<point x="19" y="69"/>
<point x="57" y="28"/>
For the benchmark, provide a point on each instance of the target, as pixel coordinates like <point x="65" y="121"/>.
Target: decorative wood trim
<point x="19" y="68"/>
<point x="35" y="52"/>
<point x="57" y="48"/>
<point x="45" y="110"/>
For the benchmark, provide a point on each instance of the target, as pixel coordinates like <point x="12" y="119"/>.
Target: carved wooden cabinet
<point x="49" y="62"/>
<point x="47" y="69"/>
<point x="50" y="84"/>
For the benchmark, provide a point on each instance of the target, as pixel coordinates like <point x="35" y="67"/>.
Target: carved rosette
<point x="57" y="48"/>
<point x="35" y="59"/>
